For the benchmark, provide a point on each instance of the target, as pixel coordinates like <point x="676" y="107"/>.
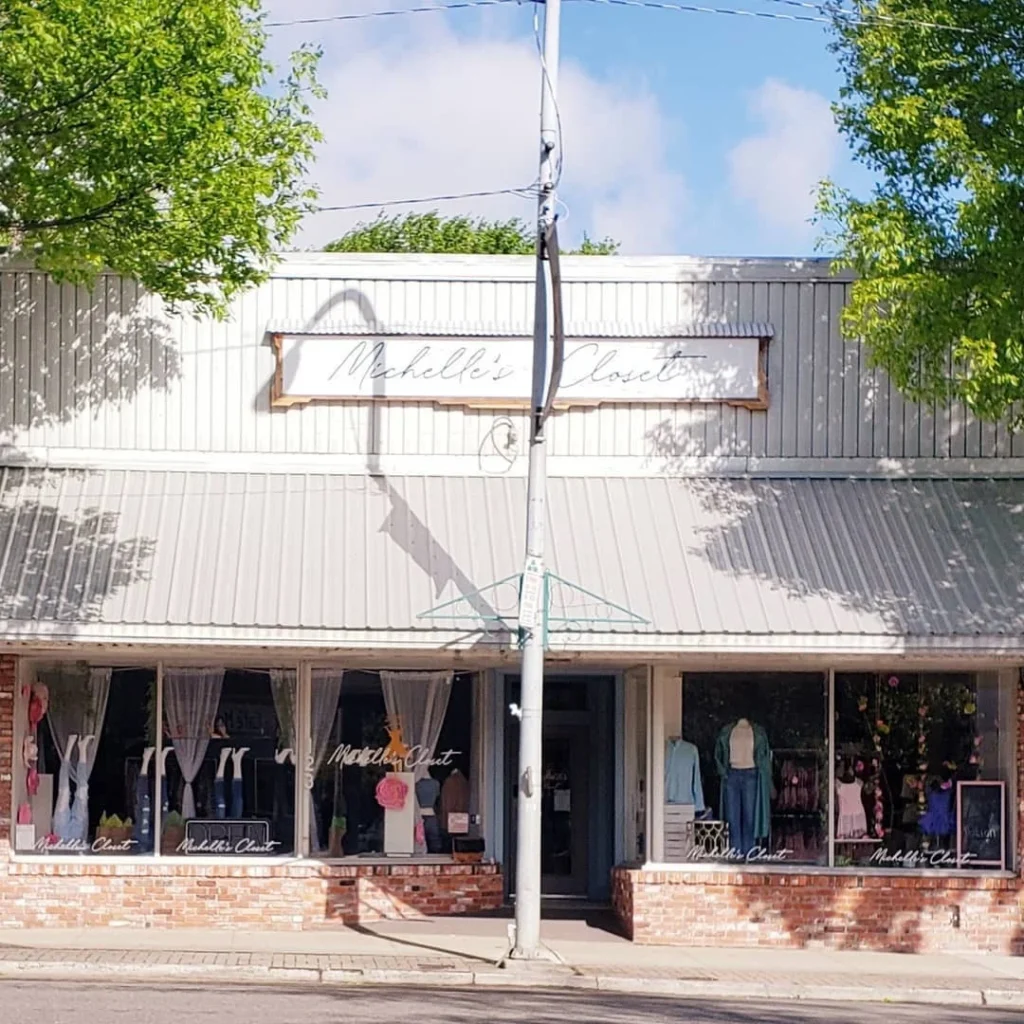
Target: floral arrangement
<point x="392" y="793"/>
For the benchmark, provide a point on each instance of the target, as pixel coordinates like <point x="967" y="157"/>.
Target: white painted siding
<point x="110" y="370"/>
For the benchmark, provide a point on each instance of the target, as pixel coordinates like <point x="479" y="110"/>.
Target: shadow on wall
<point x="65" y="351"/>
<point x="62" y="558"/>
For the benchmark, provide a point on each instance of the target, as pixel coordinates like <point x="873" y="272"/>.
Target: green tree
<point x="933" y="105"/>
<point x="430" y="232"/>
<point x="150" y="139"/>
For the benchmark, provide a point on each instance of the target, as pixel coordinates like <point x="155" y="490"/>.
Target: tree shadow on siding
<point x="67" y="351"/>
<point x="900" y="558"/>
<point x="63" y="557"/>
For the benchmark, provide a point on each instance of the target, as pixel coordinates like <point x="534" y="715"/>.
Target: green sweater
<point x="763" y="764"/>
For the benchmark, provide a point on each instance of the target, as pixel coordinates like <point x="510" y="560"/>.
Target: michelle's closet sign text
<point x="496" y="372"/>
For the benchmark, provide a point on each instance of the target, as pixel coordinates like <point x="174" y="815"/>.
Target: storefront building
<point x="260" y="610"/>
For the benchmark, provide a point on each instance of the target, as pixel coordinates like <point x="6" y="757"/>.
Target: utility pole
<point x="533" y="597"/>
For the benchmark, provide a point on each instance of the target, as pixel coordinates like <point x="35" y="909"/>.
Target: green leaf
<point x="937" y="114"/>
<point x="150" y="138"/>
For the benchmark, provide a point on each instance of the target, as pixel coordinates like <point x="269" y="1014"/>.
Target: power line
<point x="526" y="192"/>
<point x="456" y="5"/>
<point x="827" y="13"/>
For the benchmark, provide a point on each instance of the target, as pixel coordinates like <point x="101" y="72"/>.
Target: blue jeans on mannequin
<point x="740" y="796"/>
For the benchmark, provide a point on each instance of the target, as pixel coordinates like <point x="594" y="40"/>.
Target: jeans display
<point x="740" y="802"/>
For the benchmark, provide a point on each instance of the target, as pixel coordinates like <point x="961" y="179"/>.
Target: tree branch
<point x="98" y="213"/>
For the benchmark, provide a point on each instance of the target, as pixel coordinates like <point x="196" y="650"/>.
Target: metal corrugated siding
<point x="111" y="370"/>
<point x="295" y="552"/>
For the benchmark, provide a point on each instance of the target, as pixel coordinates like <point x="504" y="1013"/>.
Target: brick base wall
<point x="164" y="895"/>
<point x="840" y="911"/>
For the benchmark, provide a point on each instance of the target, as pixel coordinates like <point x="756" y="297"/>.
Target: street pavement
<point x="39" y="1002"/>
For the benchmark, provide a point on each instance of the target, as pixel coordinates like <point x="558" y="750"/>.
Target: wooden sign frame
<point x="279" y="399"/>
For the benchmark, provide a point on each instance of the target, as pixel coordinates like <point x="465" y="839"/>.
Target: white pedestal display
<point x="399" y="825"/>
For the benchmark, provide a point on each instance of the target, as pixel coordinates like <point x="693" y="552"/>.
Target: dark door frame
<point x="596" y="716"/>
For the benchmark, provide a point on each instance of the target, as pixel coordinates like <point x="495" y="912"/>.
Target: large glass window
<point x="919" y="770"/>
<point x="746" y="777"/>
<point x="391" y="757"/>
<point x="87" y="739"/>
<point x="913" y="772"/>
<point x="228" y="780"/>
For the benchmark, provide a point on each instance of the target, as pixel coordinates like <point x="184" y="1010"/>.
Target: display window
<point x="88" y="737"/>
<point x="746" y="781"/>
<point x="919" y="769"/>
<point x="391" y="764"/>
<point x="912" y="772"/>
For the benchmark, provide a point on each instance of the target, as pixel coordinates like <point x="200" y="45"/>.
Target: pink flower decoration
<point x="894" y="681"/>
<point x="391" y="793"/>
<point x="973" y="759"/>
<point x="859" y="766"/>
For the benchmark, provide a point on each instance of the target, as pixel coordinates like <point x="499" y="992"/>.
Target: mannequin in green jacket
<point x="763" y="764"/>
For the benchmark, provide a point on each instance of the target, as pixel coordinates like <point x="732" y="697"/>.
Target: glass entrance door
<point x="564" y="798"/>
<point x="577" y="787"/>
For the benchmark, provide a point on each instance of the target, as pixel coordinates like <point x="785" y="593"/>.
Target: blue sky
<point x="683" y="132"/>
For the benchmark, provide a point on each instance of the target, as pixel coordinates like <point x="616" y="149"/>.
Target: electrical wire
<point x="456" y="5"/>
<point x="528" y="192"/>
<point x="828" y="14"/>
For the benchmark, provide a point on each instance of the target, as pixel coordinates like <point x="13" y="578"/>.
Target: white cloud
<point x="417" y="110"/>
<point x="777" y="169"/>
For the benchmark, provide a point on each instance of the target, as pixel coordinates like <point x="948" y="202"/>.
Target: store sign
<point x="497" y="372"/>
<point x="102" y="844"/>
<point x="401" y="758"/>
<point x="226" y="838"/>
<point x="758" y="855"/>
<point x="918" y="859"/>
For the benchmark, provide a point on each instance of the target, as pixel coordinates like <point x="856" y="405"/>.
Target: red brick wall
<point x="149" y="894"/>
<point x="844" y="911"/>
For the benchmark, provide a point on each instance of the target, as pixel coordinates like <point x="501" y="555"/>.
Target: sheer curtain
<point x="191" y="699"/>
<point x="283" y="687"/>
<point x="416" y="702"/>
<point x="323" y="708"/>
<point x="77" y="707"/>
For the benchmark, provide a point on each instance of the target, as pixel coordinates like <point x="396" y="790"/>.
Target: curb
<point x="495" y="978"/>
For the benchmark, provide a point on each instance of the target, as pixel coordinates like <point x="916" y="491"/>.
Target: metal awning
<point x="276" y="559"/>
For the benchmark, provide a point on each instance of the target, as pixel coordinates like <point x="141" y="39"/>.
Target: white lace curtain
<point x="77" y="707"/>
<point x="191" y="699"/>
<point x="417" y="702"/>
<point x="323" y="709"/>
<point x="283" y="687"/>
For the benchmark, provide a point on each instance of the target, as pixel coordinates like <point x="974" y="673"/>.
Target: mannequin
<point x="220" y="804"/>
<point x="144" y="805"/>
<point x="743" y="759"/>
<point x="428" y="790"/>
<point x="682" y="774"/>
<point x="62" y="809"/>
<point x="237" y="804"/>
<point x="165" y="803"/>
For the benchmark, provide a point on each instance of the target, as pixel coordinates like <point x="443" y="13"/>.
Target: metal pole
<point x="528" y="820"/>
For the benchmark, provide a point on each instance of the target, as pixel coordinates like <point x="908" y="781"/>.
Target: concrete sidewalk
<point x="466" y="952"/>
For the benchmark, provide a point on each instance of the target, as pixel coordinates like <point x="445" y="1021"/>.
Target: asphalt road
<point x="42" y="1002"/>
